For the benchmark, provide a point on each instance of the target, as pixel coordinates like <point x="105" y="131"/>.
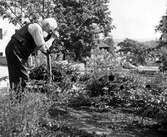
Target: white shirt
<point x="37" y="33"/>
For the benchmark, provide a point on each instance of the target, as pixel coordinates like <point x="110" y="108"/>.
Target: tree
<point x="133" y="51"/>
<point x="110" y="42"/>
<point x="75" y="19"/>
<point x="162" y="28"/>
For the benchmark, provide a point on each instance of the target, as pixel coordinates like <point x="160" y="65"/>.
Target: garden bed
<point x="121" y="102"/>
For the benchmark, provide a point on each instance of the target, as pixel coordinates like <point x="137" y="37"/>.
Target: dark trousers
<point x="16" y="65"/>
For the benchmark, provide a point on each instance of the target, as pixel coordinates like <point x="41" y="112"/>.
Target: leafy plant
<point x="75" y="19"/>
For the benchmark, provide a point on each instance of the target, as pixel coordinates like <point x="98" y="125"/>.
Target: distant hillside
<point x="150" y="44"/>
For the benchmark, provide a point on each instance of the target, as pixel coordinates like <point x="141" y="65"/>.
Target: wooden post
<point x="49" y="67"/>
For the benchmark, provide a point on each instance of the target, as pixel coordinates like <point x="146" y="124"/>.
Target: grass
<point x="21" y="118"/>
<point x="38" y="116"/>
<point x="61" y="114"/>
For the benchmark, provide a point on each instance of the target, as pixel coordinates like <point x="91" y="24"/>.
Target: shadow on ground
<point x="114" y="123"/>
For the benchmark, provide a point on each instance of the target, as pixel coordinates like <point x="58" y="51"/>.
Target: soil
<point x="116" y="122"/>
<point x="113" y="122"/>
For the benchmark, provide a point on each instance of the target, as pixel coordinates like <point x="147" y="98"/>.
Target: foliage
<point x="76" y="29"/>
<point x="162" y="27"/>
<point x="64" y="75"/>
<point x="100" y="66"/>
<point x="133" y="51"/>
<point x="109" y="41"/>
<point x="140" y="53"/>
<point x="19" y="11"/>
<point x="22" y="119"/>
<point x="75" y="19"/>
<point x="144" y="95"/>
<point x="106" y="84"/>
<point x="79" y="101"/>
<point x="32" y="117"/>
<point x="129" y="89"/>
<point x="101" y="62"/>
<point x="39" y="73"/>
<point x="163" y="61"/>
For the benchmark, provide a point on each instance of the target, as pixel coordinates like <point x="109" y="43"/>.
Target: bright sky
<point x="136" y="19"/>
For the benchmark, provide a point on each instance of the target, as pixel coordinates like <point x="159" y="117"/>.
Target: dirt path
<point x="114" y="123"/>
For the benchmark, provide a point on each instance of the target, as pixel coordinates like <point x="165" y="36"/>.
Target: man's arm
<point x="37" y="34"/>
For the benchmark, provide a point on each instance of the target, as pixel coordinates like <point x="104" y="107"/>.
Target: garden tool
<point x="49" y="66"/>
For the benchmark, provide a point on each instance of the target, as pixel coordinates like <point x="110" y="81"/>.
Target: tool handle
<point x="49" y="67"/>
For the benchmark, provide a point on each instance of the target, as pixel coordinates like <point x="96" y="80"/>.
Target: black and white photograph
<point x="83" y="68"/>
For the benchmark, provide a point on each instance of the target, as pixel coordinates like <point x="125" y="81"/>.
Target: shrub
<point x="39" y="73"/>
<point x="101" y="62"/>
<point x="79" y="101"/>
<point x="100" y="65"/>
<point x="59" y="72"/>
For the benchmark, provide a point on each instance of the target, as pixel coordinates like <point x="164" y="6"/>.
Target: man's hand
<point x="55" y="34"/>
<point x="47" y="52"/>
<point x="44" y="50"/>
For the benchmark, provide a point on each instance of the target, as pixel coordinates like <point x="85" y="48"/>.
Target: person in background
<point x="25" y="41"/>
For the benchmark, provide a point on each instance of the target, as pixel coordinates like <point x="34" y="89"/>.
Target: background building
<point x="6" y="31"/>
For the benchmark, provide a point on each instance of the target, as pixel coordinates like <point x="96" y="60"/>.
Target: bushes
<point x="96" y="87"/>
<point x="59" y="70"/>
<point x="106" y="83"/>
<point x="100" y="90"/>
<point x="146" y="94"/>
<point x="39" y="73"/>
<point x="79" y="101"/>
<point x="101" y="62"/>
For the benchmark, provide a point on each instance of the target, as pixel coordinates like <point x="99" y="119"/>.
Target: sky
<point x="137" y="19"/>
